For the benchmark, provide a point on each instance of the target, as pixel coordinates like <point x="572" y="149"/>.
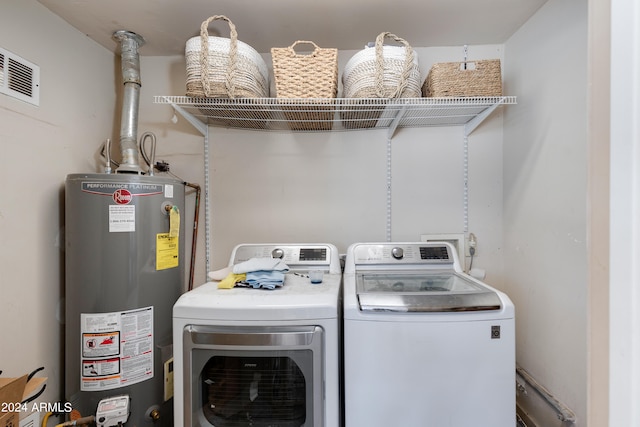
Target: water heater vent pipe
<point x="129" y="44"/>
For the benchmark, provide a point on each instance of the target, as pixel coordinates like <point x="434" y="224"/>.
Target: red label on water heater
<point x="122" y="196"/>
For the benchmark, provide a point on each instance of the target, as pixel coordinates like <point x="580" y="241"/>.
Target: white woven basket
<point x="218" y="67"/>
<point x="383" y="72"/>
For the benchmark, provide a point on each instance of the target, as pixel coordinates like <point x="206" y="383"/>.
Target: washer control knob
<point x="397" y="253"/>
<point x="277" y="253"/>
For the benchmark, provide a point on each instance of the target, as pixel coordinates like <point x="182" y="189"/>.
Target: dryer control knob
<point x="277" y="253"/>
<point x="397" y="253"/>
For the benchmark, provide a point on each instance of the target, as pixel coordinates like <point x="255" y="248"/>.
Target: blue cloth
<point x="265" y="279"/>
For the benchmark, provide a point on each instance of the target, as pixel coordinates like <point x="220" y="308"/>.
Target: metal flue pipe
<point x="129" y="44"/>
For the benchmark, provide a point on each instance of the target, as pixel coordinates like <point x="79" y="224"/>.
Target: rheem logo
<point x="122" y="196"/>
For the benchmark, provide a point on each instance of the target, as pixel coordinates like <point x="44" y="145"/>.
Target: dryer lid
<point x="434" y="291"/>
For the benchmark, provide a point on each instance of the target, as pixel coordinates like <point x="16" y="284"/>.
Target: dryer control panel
<point x="296" y="256"/>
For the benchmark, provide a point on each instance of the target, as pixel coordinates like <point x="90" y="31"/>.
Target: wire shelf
<point x="334" y="114"/>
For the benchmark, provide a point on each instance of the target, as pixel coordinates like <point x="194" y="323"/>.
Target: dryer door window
<point x="254" y="376"/>
<point x="248" y="390"/>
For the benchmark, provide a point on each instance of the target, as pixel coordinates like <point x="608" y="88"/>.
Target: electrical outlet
<point x="471" y="242"/>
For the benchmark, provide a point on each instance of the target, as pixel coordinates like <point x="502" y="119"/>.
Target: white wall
<point x="40" y="146"/>
<point x="625" y="215"/>
<point x="545" y="182"/>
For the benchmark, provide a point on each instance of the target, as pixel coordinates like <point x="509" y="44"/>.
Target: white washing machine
<point x="257" y="357"/>
<point x="425" y="345"/>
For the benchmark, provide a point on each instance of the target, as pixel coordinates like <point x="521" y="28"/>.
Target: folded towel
<point x="260" y="264"/>
<point x="231" y="280"/>
<point x="265" y="279"/>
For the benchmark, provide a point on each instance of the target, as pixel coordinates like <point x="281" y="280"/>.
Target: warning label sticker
<point x="122" y="218"/>
<point x="98" y="345"/>
<point x="166" y="251"/>
<point x="100" y="367"/>
<point x="117" y="349"/>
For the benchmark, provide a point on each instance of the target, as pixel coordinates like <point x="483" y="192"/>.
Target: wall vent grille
<point x="19" y="78"/>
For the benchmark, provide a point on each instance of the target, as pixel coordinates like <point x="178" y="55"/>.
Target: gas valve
<point x="113" y="411"/>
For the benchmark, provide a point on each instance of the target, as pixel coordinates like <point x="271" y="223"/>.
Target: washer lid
<point x="435" y="291"/>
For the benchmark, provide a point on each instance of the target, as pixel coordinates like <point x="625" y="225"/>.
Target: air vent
<point x="19" y="78"/>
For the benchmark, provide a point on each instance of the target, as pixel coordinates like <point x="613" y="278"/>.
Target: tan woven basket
<point x="464" y="79"/>
<point x="305" y="75"/>
<point x="312" y="76"/>
<point x="218" y="67"/>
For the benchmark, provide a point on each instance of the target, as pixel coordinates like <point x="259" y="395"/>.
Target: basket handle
<point x="406" y="71"/>
<point x="204" y="56"/>
<point x="293" y="51"/>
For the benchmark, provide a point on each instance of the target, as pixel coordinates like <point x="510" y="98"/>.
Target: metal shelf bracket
<point x="193" y="120"/>
<point x="394" y="124"/>
<point x="472" y="124"/>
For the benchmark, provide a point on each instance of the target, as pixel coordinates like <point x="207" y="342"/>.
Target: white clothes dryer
<point x="256" y="357"/>
<point x="424" y="343"/>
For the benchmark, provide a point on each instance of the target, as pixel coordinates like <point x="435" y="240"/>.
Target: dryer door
<point x="252" y="376"/>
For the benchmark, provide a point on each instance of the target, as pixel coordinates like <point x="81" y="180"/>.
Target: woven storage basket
<point x="478" y="78"/>
<point x="382" y="72"/>
<point x="218" y="67"/>
<point x="306" y="75"/>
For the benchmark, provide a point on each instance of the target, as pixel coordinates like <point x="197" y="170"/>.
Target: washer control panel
<point x="424" y="253"/>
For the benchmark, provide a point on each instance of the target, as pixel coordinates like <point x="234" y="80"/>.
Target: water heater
<point x="124" y="256"/>
<point x="124" y="271"/>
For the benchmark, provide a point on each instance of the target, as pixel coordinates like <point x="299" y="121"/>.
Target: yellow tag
<point x="166" y="251"/>
<point x="174" y="221"/>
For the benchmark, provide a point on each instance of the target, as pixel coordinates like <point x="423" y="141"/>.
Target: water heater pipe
<point x="79" y="422"/>
<point x="152" y="158"/>
<point x="194" y="239"/>
<point x="106" y="151"/>
<point x="129" y="44"/>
